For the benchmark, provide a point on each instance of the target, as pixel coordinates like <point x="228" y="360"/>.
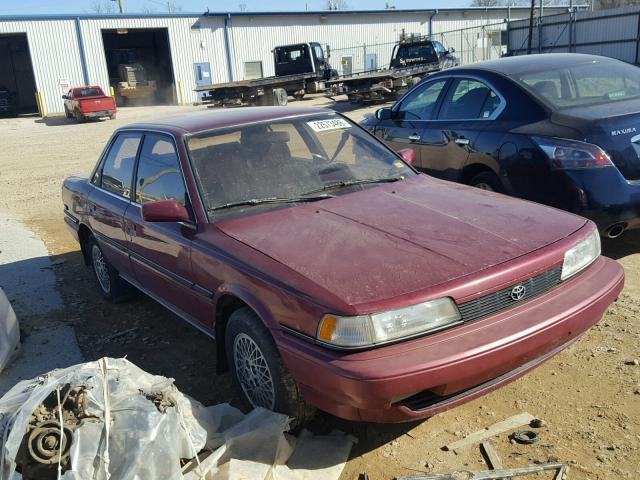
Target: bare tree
<point x="336" y="5"/>
<point x="102" y="7"/>
<point x="172" y="7"/>
<point x="242" y="7"/>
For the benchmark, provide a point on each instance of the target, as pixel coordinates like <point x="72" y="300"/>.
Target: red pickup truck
<point x="84" y="103"/>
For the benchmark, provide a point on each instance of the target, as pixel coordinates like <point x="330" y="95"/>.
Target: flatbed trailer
<point x="262" y="91"/>
<point x="381" y="84"/>
<point x="299" y="69"/>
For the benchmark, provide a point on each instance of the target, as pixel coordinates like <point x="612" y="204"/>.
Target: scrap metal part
<point x="46" y="443"/>
<point x="489" y="474"/>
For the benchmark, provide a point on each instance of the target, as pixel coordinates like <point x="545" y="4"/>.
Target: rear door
<point x="448" y="141"/>
<point x="405" y="128"/>
<point x="161" y="251"/>
<point x="108" y="202"/>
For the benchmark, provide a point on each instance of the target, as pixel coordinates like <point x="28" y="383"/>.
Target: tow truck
<point x="299" y="69"/>
<point x="413" y="58"/>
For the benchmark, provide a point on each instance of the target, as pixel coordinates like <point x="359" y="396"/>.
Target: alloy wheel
<point x="101" y="269"/>
<point x="253" y="372"/>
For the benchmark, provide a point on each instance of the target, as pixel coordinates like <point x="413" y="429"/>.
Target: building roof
<point x="69" y="16"/>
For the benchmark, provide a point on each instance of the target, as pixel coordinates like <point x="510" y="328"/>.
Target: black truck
<point x="299" y="69"/>
<point x="411" y="60"/>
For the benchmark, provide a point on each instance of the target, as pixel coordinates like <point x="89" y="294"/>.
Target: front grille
<point x="501" y="300"/>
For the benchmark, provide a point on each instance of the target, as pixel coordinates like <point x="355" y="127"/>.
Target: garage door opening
<point x="17" y="82"/>
<point x="140" y="66"/>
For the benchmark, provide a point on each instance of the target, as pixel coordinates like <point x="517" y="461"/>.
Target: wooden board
<point x="495" y="429"/>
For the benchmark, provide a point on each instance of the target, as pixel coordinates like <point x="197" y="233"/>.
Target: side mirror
<point x="408" y="155"/>
<point x="65" y="97"/>
<point x="384" y="113"/>
<point x="452" y="50"/>
<point x="165" y="211"/>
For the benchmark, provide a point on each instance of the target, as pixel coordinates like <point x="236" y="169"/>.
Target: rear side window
<point x="117" y="169"/>
<point x="159" y="176"/>
<point x="468" y="100"/>
<point x="421" y="104"/>
<point x="592" y="83"/>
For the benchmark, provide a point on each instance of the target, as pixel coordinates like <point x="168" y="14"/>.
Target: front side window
<point x="469" y="99"/>
<point x="159" y="176"/>
<point x="319" y="52"/>
<point x="421" y="104"/>
<point x="116" y="174"/>
<point x="291" y="160"/>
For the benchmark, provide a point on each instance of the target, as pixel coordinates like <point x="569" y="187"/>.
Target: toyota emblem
<point x="518" y="292"/>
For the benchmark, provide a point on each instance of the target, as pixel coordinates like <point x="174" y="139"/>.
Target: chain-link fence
<point x="471" y="44"/>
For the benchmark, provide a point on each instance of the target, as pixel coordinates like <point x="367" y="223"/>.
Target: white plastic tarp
<point x="130" y="437"/>
<point x="9" y="332"/>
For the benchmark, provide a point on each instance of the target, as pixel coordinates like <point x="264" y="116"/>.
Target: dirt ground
<point x="589" y="395"/>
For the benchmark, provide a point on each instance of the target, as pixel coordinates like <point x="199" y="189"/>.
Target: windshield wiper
<point x="259" y="201"/>
<point x="348" y="183"/>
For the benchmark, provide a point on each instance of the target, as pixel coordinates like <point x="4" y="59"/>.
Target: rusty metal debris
<point x="488" y="474"/>
<point x="46" y="442"/>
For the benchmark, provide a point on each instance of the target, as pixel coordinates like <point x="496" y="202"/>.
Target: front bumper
<point x="419" y="378"/>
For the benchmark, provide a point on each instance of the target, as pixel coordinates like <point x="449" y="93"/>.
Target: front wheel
<point x="258" y="371"/>
<point x="486" y="181"/>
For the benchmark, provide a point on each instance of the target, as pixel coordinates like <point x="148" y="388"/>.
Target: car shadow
<point x="61" y="120"/>
<point x="627" y="244"/>
<point x="157" y="341"/>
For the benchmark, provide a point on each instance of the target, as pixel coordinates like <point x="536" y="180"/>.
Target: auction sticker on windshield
<point x="333" y="124"/>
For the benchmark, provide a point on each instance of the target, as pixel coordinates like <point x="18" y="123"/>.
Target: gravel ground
<point x="589" y="395"/>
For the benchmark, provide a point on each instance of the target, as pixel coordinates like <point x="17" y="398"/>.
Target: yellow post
<point x="181" y="92"/>
<point x="112" y="92"/>
<point x="42" y="109"/>
<point x="42" y="104"/>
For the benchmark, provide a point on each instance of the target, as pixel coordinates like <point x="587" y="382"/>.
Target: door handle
<point x="462" y="141"/>
<point x="414" y="137"/>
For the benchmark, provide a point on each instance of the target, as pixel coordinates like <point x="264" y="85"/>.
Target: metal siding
<point x="55" y="52"/>
<point x="253" y="38"/>
<point x="55" y="55"/>
<point x="187" y="43"/>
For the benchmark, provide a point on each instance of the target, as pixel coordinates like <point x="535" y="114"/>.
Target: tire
<point x="486" y="181"/>
<point x="79" y="117"/>
<point x="67" y="114"/>
<point x="112" y="116"/>
<point x="112" y="287"/>
<point x="247" y="334"/>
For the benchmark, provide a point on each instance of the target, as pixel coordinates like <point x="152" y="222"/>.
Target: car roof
<point x="211" y="119"/>
<point x="527" y="63"/>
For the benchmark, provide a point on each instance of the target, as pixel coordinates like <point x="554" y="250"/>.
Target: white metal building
<point x="49" y="54"/>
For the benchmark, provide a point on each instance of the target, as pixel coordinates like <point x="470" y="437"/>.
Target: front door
<point x="203" y="75"/>
<point x="109" y="201"/>
<point x="405" y="129"/>
<point x="451" y="137"/>
<point x="161" y="251"/>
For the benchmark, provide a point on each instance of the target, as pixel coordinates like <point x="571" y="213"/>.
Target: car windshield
<point x="293" y="160"/>
<point x="584" y="84"/>
<point x="88" y="92"/>
<point x="424" y="50"/>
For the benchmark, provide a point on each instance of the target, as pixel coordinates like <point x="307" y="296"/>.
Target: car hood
<point x="399" y="238"/>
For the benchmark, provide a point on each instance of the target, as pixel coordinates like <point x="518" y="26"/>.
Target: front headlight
<point x="378" y="328"/>
<point x="581" y="256"/>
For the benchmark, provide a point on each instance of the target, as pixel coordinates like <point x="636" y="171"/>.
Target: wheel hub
<point x="253" y="372"/>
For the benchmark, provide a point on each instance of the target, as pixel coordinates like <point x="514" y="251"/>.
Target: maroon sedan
<point x="330" y="272"/>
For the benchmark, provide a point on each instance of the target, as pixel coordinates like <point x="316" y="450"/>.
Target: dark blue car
<point x="559" y="129"/>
